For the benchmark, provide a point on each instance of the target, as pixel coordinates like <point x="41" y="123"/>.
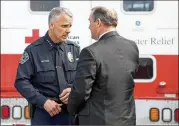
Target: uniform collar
<point x="51" y="44"/>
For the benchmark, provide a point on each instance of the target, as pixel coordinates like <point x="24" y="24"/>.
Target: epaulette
<point x="68" y="42"/>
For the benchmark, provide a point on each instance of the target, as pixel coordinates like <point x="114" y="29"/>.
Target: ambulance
<point x="153" y="25"/>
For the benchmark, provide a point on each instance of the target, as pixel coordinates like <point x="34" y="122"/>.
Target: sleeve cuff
<point x="41" y="101"/>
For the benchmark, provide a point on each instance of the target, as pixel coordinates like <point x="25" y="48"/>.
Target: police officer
<point x="46" y="71"/>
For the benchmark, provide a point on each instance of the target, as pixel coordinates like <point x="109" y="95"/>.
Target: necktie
<point x="59" y="69"/>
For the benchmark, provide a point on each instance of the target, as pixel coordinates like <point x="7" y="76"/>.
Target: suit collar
<point x="106" y="32"/>
<point x="109" y="34"/>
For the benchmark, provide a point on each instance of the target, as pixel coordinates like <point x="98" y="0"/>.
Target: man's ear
<point x="98" y="22"/>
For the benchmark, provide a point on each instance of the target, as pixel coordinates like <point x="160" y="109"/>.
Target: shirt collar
<point x="51" y="44"/>
<point x="106" y="32"/>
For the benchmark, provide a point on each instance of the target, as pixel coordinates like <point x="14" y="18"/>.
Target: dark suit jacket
<point x="103" y="92"/>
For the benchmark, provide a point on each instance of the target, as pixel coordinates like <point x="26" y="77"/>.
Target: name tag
<point x="45" y="61"/>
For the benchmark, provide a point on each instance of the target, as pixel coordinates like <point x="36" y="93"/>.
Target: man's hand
<point x="64" y="95"/>
<point x="52" y="107"/>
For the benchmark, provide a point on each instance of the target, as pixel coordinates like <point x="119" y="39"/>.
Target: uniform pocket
<point x="70" y="71"/>
<point x="46" y="73"/>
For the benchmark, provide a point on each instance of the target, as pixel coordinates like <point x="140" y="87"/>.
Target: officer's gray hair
<point x="107" y="17"/>
<point x="55" y="13"/>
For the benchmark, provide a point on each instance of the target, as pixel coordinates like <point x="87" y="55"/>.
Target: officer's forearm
<point x="30" y="93"/>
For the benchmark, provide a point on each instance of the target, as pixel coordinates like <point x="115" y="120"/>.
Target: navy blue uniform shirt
<point x="36" y="77"/>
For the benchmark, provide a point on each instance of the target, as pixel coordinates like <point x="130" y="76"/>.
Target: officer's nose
<point x="68" y="30"/>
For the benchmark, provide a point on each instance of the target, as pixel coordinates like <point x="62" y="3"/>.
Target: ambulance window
<point x="145" y="70"/>
<point x="138" y="5"/>
<point x="43" y="5"/>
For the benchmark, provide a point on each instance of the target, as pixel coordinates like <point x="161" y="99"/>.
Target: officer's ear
<point x="51" y="25"/>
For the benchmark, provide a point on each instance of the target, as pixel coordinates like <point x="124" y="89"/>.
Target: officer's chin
<point x="63" y="40"/>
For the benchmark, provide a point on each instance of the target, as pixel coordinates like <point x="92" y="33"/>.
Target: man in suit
<point x="103" y="91"/>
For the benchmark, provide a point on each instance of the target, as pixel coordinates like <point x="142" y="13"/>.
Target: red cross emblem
<point x="35" y="36"/>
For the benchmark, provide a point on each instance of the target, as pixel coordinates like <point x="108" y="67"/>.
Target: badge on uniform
<point x="70" y="57"/>
<point x="24" y="57"/>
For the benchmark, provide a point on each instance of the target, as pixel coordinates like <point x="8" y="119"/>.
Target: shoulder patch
<point x="24" y="57"/>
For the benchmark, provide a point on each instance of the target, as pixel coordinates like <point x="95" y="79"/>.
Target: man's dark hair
<point x="107" y="17"/>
